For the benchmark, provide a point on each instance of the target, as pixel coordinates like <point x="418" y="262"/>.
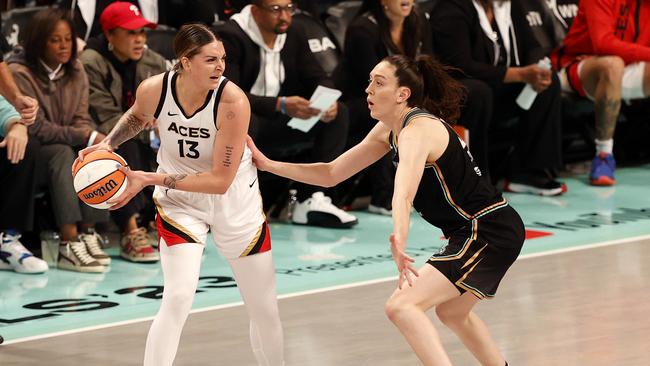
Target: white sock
<point x="181" y="264"/>
<point x="255" y="276"/>
<point x="604" y="146"/>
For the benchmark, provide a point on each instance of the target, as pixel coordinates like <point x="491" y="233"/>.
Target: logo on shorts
<point x="251" y="185"/>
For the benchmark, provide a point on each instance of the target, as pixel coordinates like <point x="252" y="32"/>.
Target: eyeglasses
<point x="276" y="10"/>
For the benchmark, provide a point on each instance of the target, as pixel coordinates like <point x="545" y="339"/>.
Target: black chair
<point x="339" y="17"/>
<point x="161" y="40"/>
<point x="321" y="43"/>
<point x="15" y="21"/>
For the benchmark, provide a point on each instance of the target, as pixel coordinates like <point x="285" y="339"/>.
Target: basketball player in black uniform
<point x="435" y="175"/>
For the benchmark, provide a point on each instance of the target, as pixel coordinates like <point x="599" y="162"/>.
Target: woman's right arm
<point x="368" y="151"/>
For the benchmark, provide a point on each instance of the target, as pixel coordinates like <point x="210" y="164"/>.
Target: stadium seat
<point x="14" y="22"/>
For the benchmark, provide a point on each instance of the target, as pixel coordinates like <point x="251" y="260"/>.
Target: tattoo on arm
<point x="227" y="161"/>
<point x="230" y="115"/>
<point x="128" y="126"/>
<point x="171" y="180"/>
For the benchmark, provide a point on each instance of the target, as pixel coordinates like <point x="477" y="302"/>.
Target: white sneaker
<point x="319" y="211"/>
<point x="379" y="210"/>
<point x="14" y="256"/>
<point x="73" y="256"/>
<point x="94" y="243"/>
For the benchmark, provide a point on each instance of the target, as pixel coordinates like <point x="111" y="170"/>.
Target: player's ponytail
<point x="431" y="85"/>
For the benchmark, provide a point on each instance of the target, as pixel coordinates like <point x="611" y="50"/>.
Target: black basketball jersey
<point x="452" y="191"/>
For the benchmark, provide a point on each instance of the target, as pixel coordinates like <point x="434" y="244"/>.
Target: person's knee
<point x="62" y="155"/>
<point x="610" y="69"/>
<point x="396" y="307"/>
<point x="180" y="295"/>
<point x="450" y="316"/>
<point x="32" y="148"/>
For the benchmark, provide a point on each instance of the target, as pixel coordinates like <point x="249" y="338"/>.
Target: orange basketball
<point x="97" y="179"/>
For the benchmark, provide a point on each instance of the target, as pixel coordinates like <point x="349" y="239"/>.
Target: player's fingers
<point x="400" y="280"/>
<point x="413" y="270"/>
<point x="408" y="277"/>
<point x="21" y="150"/>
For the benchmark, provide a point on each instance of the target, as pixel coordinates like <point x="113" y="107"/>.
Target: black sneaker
<point x="538" y="184"/>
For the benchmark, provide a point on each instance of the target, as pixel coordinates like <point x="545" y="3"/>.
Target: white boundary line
<point x="316" y="291"/>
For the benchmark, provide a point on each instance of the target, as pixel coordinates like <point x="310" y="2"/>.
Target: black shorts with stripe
<point x="478" y="255"/>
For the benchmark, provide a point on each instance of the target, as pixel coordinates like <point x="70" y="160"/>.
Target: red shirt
<point x="607" y="27"/>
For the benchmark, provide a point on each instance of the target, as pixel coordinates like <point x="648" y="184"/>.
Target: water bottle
<point x="291" y="204"/>
<point x="528" y="94"/>
<point x="50" y="247"/>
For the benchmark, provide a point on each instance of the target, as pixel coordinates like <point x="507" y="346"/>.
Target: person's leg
<point x="601" y="78"/>
<point x="18" y="188"/>
<point x="53" y="168"/>
<point x="255" y="276"/>
<point x="17" y="211"/>
<point x="538" y="146"/>
<point x="181" y="264"/>
<point x="458" y="316"/>
<point x="406" y="309"/>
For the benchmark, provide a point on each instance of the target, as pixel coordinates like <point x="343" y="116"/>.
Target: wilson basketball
<point x="97" y="179"/>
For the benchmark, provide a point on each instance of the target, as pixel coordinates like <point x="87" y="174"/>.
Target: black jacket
<point x="460" y="41"/>
<point x="303" y="73"/>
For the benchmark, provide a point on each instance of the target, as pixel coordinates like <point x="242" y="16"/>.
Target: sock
<point x="604" y="146"/>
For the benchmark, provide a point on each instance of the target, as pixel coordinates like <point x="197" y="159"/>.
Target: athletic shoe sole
<point x="521" y="188"/>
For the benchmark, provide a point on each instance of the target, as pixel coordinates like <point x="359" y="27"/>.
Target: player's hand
<point x="15" y="142"/>
<point x="299" y="107"/>
<point x="331" y="113"/>
<point x="103" y="145"/>
<point x="403" y="261"/>
<point x="259" y="159"/>
<point x="27" y="107"/>
<point x="538" y="77"/>
<point x="135" y="183"/>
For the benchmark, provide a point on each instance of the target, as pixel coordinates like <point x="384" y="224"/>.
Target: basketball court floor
<point x="578" y="295"/>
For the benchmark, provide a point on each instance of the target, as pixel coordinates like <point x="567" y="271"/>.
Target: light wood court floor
<point x="588" y="307"/>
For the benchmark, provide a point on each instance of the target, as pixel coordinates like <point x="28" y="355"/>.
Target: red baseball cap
<point x="121" y="14"/>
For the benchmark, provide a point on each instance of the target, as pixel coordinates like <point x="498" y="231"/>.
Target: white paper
<point x="322" y="99"/>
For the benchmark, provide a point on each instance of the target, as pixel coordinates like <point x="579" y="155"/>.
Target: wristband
<point x="92" y="138"/>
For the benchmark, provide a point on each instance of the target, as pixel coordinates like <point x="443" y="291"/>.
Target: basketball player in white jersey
<point x="205" y="181"/>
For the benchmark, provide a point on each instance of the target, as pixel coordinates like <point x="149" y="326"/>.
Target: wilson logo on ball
<point x="98" y="179"/>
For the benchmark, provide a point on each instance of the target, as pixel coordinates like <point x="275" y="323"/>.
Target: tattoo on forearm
<point x="606" y="114"/>
<point x="128" y="126"/>
<point x="171" y="180"/>
<point x="230" y="115"/>
<point x="227" y="161"/>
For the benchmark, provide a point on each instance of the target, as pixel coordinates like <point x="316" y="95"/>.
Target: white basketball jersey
<point x="187" y="141"/>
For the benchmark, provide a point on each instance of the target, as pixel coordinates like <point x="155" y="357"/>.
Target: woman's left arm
<point x="232" y="121"/>
<point x="419" y="141"/>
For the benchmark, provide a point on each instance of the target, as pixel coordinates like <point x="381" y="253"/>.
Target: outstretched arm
<point x="371" y="149"/>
